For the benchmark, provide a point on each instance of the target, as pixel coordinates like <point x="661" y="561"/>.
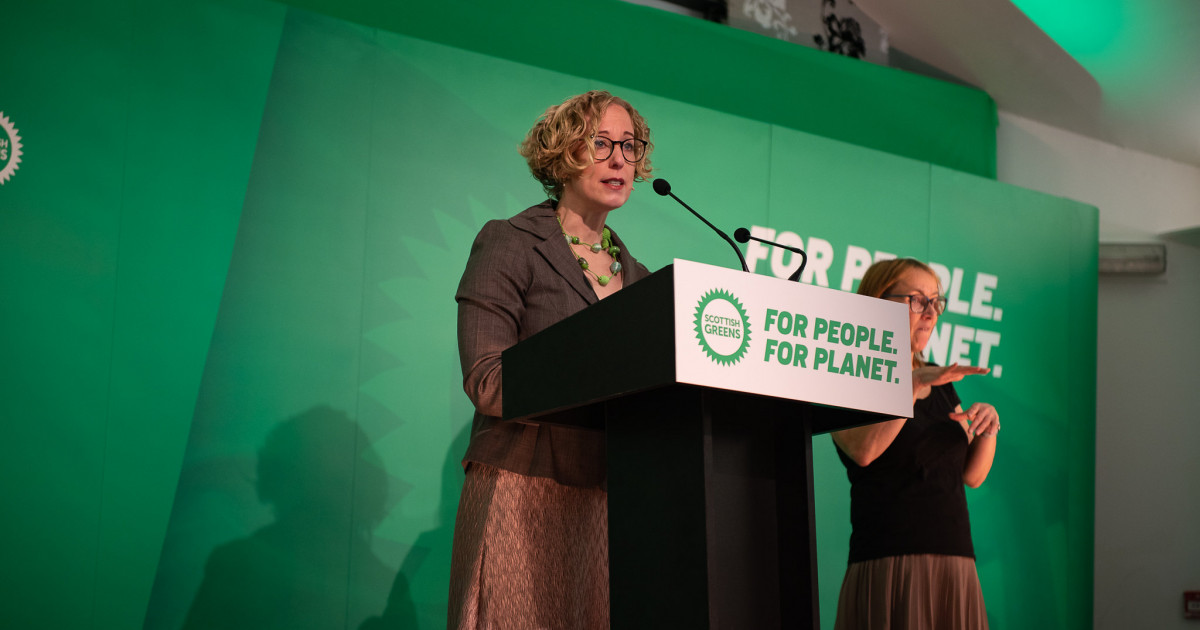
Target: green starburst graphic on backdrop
<point x="418" y="382"/>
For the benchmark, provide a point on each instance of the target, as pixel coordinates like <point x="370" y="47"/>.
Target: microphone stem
<point x="715" y="229"/>
<point x="795" y="277"/>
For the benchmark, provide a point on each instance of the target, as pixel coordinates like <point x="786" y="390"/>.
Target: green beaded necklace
<point x="605" y="245"/>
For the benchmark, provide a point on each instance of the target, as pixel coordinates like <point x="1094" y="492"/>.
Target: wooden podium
<point x="710" y="488"/>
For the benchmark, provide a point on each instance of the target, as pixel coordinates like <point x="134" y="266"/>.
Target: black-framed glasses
<point x="918" y="303"/>
<point x="633" y="149"/>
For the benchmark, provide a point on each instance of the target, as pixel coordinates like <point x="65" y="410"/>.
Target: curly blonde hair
<point x="551" y="146"/>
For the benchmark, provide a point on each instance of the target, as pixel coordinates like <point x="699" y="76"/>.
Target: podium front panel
<point x="761" y="335"/>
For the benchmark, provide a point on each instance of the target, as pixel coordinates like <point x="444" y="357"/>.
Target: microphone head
<point x="741" y="235"/>
<point x="662" y="187"/>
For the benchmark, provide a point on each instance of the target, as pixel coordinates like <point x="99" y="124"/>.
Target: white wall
<point x="1148" y="380"/>
<point x="1136" y="192"/>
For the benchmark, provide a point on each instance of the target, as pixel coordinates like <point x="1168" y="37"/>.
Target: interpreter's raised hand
<point x="925" y="378"/>
<point x="981" y="419"/>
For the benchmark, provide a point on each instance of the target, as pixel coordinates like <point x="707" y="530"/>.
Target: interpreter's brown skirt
<point x="528" y="553"/>
<point x="917" y="592"/>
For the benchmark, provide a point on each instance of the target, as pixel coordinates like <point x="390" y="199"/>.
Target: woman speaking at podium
<point x="531" y="536"/>
<point x="912" y="564"/>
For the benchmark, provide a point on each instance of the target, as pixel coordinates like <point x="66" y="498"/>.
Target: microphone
<point x="662" y="187"/>
<point x="742" y="235"/>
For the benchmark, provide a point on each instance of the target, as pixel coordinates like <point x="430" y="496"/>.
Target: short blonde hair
<point x="551" y="146"/>
<point x="884" y="275"/>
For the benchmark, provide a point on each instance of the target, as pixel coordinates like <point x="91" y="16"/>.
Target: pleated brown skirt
<point x="917" y="592"/>
<point x="529" y="553"/>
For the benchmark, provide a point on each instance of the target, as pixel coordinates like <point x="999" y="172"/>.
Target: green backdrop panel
<point x="58" y="262"/>
<point x="171" y="264"/>
<point x="117" y="229"/>
<point x="821" y="187"/>
<point x="283" y="367"/>
<point x="1043" y="294"/>
<point x="714" y="66"/>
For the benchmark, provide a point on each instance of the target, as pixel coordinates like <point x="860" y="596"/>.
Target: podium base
<point x="710" y="511"/>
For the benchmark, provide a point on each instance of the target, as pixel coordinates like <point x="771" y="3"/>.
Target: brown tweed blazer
<point x="521" y="277"/>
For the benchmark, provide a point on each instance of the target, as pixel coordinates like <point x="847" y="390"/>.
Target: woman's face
<point x="606" y="184"/>
<point x="918" y="282"/>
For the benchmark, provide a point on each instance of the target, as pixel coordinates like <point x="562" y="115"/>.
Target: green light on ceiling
<point x="1083" y="28"/>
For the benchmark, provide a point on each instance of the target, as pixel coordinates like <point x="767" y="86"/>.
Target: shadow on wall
<point x="427" y="563"/>
<point x="312" y="567"/>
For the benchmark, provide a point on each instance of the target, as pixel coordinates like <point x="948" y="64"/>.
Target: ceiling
<point x="1126" y="72"/>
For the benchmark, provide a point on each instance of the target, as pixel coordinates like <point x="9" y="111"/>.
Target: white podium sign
<point x="763" y="335"/>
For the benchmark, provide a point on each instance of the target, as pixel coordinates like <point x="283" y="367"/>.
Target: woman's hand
<point x="925" y="378"/>
<point x="981" y="419"/>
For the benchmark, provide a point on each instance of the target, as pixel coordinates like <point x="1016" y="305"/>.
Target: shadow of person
<point x="427" y="563"/>
<point x="313" y="567"/>
<point x="400" y="613"/>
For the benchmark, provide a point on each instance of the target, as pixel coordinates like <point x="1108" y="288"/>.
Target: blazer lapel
<point x="539" y="220"/>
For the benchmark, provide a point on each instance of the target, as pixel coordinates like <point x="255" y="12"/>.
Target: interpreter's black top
<point x="910" y="500"/>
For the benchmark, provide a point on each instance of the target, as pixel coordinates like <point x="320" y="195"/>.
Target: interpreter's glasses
<point x="918" y="303"/>
<point x="633" y="149"/>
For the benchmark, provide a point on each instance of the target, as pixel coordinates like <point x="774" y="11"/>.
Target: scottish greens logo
<point x="722" y="327"/>
<point x="10" y="148"/>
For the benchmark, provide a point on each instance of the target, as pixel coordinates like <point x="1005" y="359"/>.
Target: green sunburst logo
<point x="722" y="327"/>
